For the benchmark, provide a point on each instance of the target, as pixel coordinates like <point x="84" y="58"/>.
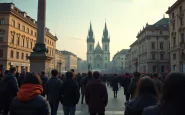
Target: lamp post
<point x="157" y="38"/>
<point x="59" y="65"/>
<point x="136" y="63"/>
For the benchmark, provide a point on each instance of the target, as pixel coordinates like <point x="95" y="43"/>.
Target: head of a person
<point x="90" y="74"/>
<point x="73" y="70"/>
<point x="96" y="75"/>
<point x="12" y="70"/>
<point x="146" y="86"/>
<point x="136" y="74"/>
<point x="6" y="72"/>
<point x="155" y="75"/>
<point x="69" y="75"/>
<point x="43" y="72"/>
<point x="173" y="90"/>
<point x="54" y="72"/>
<point x="32" y="78"/>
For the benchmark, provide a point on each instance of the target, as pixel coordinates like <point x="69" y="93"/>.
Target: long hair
<point x="146" y="86"/>
<point x="173" y="93"/>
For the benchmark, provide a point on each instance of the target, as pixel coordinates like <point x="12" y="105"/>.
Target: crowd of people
<point x="32" y="93"/>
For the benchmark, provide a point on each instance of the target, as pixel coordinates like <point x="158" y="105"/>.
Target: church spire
<point x="105" y="37"/>
<point x="90" y="37"/>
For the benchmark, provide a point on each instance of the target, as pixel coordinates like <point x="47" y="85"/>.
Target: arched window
<point x="12" y="40"/>
<point x="105" y="47"/>
<point x="18" y="40"/>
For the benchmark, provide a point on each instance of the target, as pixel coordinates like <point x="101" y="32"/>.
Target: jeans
<point x="97" y="113"/>
<point x="54" y="107"/>
<point x="69" y="110"/>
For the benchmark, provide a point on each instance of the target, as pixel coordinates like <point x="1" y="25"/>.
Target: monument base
<point x="39" y="61"/>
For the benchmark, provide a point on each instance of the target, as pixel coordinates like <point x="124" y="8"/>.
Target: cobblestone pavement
<point x="115" y="105"/>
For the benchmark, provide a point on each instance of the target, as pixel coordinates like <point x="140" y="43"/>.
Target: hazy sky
<point x="70" y="19"/>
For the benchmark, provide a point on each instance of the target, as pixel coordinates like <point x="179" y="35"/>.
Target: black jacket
<point x="44" y="81"/>
<point x="70" y="93"/>
<point x="53" y="89"/>
<point x="37" y="106"/>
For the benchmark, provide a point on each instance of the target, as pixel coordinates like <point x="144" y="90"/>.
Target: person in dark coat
<point x="133" y="84"/>
<point x="84" y="83"/>
<point x="70" y="94"/>
<point x="114" y="83"/>
<point x="21" y="78"/>
<point x="172" y="100"/>
<point x="96" y="96"/>
<point x="11" y="90"/>
<point x="146" y="95"/>
<point x="157" y="82"/>
<point x="53" y="91"/>
<point x="44" y="81"/>
<point x="28" y="100"/>
<point x="125" y="84"/>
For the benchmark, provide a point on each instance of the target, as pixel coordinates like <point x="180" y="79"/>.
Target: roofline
<point x="173" y="6"/>
<point x="133" y="43"/>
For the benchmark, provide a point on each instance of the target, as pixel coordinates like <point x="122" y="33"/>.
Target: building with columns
<point x="18" y="33"/>
<point x="177" y="33"/>
<point x="59" y="61"/>
<point x="98" y="57"/>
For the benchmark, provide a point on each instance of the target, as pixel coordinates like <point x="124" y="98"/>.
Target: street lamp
<point x="136" y="64"/>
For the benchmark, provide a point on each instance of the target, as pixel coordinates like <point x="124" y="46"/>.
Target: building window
<point x="161" y="32"/>
<point x="181" y="21"/>
<point x="18" y="40"/>
<point x="26" y="56"/>
<point x="105" y="65"/>
<point x="154" y="68"/>
<point x="1" y="38"/>
<point x="174" y="67"/>
<point x="12" y="40"/>
<point x="28" y="30"/>
<point x="182" y="37"/>
<point x="11" y="54"/>
<point x="19" y="26"/>
<point x="162" y="69"/>
<point x="22" y="57"/>
<point x="174" y="56"/>
<point x="23" y="28"/>
<point x="105" y="47"/>
<point x="31" y="45"/>
<point x="13" y="23"/>
<point x="173" y="25"/>
<point x="17" y="55"/>
<point x="153" y="45"/>
<point x="173" y="15"/>
<point x="161" y="46"/>
<point x="1" y="21"/>
<point x="162" y="56"/>
<point x="153" y="55"/>
<point x="22" y="42"/>
<point x="180" y="9"/>
<point x="26" y="43"/>
<point x="31" y="32"/>
<point x="174" y="42"/>
<point x="90" y="47"/>
<point x="1" y="53"/>
<point x="35" y="34"/>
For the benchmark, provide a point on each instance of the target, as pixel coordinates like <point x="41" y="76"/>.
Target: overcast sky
<point x="70" y="19"/>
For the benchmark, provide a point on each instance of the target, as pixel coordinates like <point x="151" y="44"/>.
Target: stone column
<point x="39" y="58"/>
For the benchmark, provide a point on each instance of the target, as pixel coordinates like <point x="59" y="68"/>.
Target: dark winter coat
<point x="37" y="106"/>
<point x="133" y="86"/>
<point x="70" y="93"/>
<point x="84" y="81"/>
<point x="125" y="83"/>
<point x="96" y="96"/>
<point x="140" y="103"/>
<point x="44" y="81"/>
<point x="53" y="89"/>
<point x="21" y="79"/>
<point x="114" y="84"/>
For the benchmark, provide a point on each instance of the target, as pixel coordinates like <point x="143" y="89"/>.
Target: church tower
<point x="105" y="47"/>
<point x="90" y="47"/>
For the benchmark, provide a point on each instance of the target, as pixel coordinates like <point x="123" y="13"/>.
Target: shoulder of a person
<point x="131" y="102"/>
<point x="151" y="110"/>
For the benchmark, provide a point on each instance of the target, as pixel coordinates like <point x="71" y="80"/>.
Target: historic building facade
<point x="97" y="57"/>
<point x="59" y="61"/>
<point x="18" y="33"/>
<point x="177" y="32"/>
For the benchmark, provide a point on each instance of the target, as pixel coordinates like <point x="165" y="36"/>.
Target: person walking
<point x="9" y="90"/>
<point x="114" y="83"/>
<point x="21" y="78"/>
<point x="44" y="81"/>
<point x="125" y="84"/>
<point x="69" y="94"/>
<point x="29" y="100"/>
<point x="96" y="96"/>
<point x="146" y="95"/>
<point x="172" y="100"/>
<point x="53" y="91"/>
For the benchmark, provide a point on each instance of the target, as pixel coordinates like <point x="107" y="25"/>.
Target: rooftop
<point x="67" y="53"/>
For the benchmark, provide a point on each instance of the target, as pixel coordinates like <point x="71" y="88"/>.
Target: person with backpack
<point x="172" y="100"/>
<point x="44" y="81"/>
<point x="146" y="95"/>
<point x="8" y="90"/>
<point x="114" y="83"/>
<point x="53" y="91"/>
<point x="29" y="100"/>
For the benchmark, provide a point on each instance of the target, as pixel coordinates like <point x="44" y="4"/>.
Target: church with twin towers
<point x="98" y="58"/>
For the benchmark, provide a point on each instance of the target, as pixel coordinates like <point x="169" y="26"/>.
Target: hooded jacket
<point x="29" y="101"/>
